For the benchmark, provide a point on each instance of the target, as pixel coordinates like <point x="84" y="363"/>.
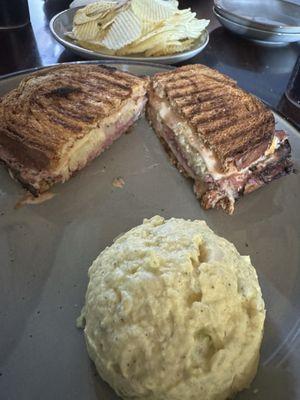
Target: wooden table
<point x="263" y="71"/>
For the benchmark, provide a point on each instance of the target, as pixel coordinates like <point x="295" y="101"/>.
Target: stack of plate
<point x="271" y="22"/>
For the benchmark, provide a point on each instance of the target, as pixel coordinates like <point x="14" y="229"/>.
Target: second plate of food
<point x="62" y="24"/>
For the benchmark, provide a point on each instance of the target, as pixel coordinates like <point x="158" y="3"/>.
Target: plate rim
<point x="219" y="6"/>
<point x="75" y="47"/>
<point x="280" y="34"/>
<point x="106" y="61"/>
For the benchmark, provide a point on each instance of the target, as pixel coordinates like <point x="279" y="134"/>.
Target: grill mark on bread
<point x="193" y="96"/>
<point x="192" y="99"/>
<point x="210" y="96"/>
<point x="193" y="71"/>
<point x="108" y="82"/>
<point x="123" y="81"/>
<point x="193" y="81"/>
<point x="109" y="90"/>
<point x="244" y="127"/>
<point x="62" y="120"/>
<point x="200" y="110"/>
<point x="207" y="115"/>
<point x="66" y="113"/>
<point x="63" y="91"/>
<point x="214" y="128"/>
<point x="71" y="113"/>
<point x="65" y="124"/>
<point x="88" y="102"/>
<point x="225" y="117"/>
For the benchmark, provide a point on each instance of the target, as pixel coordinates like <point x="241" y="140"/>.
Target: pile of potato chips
<point x="143" y="27"/>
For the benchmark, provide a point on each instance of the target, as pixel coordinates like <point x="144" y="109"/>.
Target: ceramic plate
<point x="63" y="22"/>
<point x="46" y="251"/>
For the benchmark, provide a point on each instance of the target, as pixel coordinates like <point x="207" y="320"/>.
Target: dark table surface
<point x="264" y="71"/>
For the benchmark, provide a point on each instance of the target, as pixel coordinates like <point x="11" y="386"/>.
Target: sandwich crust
<point x="228" y="120"/>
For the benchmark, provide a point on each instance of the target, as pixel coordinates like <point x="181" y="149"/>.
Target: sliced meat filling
<point x="225" y="191"/>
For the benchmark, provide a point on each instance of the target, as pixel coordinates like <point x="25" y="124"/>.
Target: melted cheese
<point x="201" y="159"/>
<point x="92" y="144"/>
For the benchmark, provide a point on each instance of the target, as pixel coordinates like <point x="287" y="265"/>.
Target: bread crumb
<point x="28" y="198"/>
<point x="10" y="173"/>
<point x="118" y="182"/>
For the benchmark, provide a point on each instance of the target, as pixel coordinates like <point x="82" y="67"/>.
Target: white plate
<point x="62" y="23"/>
<point x="261" y="36"/>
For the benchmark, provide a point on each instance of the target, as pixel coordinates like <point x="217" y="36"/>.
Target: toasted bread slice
<point x="60" y="118"/>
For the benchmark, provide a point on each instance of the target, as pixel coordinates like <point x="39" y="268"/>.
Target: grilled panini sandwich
<point x="59" y="119"/>
<point x="217" y="134"/>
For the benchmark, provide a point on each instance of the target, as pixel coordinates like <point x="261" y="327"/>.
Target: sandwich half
<point x="217" y="134"/>
<point x="59" y="119"/>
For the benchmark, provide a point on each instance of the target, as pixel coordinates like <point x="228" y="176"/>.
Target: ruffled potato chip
<point x="153" y="10"/>
<point x="95" y="46"/>
<point x="87" y="31"/>
<point x="196" y="27"/>
<point x="95" y="28"/>
<point x="185" y="21"/>
<point x="148" y="26"/>
<point x="94" y="11"/>
<point x="83" y="3"/>
<point x="100" y="7"/>
<point x="144" y="27"/>
<point x="125" y="29"/>
<point x="162" y="34"/>
<point x="170" y="48"/>
<point x="141" y="46"/>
